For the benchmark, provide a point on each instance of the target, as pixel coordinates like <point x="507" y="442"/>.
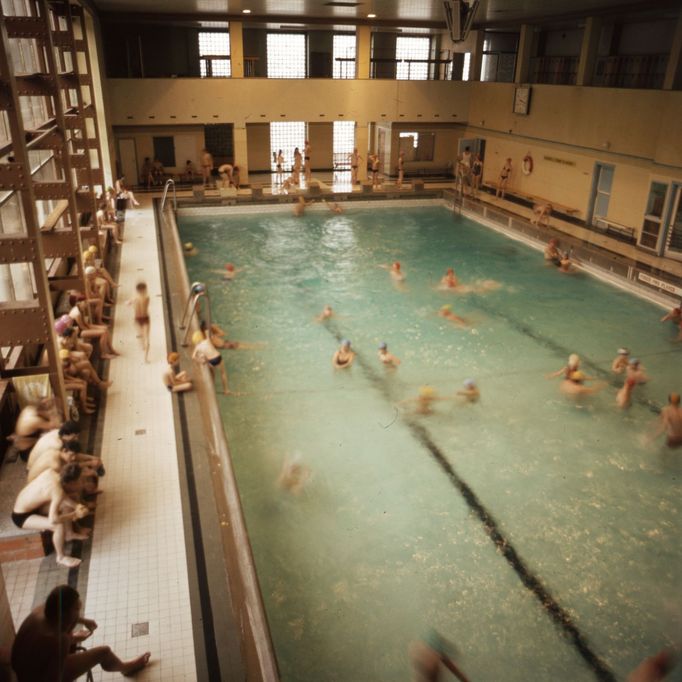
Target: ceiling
<point x="398" y="12"/>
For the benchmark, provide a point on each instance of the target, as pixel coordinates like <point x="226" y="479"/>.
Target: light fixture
<point x="371" y="15"/>
<point x="246" y="11"/>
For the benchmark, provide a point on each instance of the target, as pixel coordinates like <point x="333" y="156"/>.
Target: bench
<point x="615" y="228"/>
<point x="428" y="171"/>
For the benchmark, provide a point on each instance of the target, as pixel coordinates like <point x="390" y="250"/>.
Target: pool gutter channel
<point x="226" y="600"/>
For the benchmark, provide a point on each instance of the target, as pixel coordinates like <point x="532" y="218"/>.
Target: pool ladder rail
<point x="197" y="291"/>
<point x="169" y="183"/>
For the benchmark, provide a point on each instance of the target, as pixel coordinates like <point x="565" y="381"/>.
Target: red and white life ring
<point x="527" y="165"/>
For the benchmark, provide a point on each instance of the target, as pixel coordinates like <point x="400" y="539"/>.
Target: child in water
<point x="620" y="362"/>
<point x="294" y="475"/>
<point x="471" y="394"/>
<point x="389" y="360"/>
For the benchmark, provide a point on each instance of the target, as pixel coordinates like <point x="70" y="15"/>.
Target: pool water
<point x="538" y="534"/>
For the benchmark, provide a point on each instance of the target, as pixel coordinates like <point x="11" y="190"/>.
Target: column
<point x="362" y="143"/>
<point x="237" y="49"/>
<point x="673" y="72"/>
<point x="363" y="47"/>
<point x="476" y="56"/>
<point x="241" y="151"/>
<point x="588" y="51"/>
<point x="525" y="52"/>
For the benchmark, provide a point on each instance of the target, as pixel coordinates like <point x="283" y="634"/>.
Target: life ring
<point x="527" y="165"/>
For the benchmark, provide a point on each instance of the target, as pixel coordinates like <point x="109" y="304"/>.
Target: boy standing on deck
<point x="140" y="303"/>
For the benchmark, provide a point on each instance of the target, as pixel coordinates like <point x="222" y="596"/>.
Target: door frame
<point x="120" y="160"/>
<point x="596" y="174"/>
<point x="675" y="197"/>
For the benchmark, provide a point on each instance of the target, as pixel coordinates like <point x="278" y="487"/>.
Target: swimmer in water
<point x="635" y="371"/>
<point x="624" y="395"/>
<point x="574" y="385"/>
<point x="446" y="313"/>
<point x="333" y="207"/>
<point x="670" y="422"/>
<point x="397" y="275"/>
<point x="449" y="280"/>
<point x="429" y="658"/>
<point x="205" y="353"/>
<point x="230" y="272"/>
<point x="620" y="362"/>
<point x="655" y="668"/>
<point x="326" y="314"/>
<point x="572" y="366"/>
<point x="343" y="358"/>
<point x="189" y="250"/>
<point x="294" y="475"/>
<point x="301" y="205"/>
<point x="424" y="401"/>
<point x="675" y="315"/>
<point x="552" y="253"/>
<point x="471" y="394"/>
<point x="390" y="361"/>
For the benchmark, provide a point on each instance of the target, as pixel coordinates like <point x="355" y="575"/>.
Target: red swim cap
<point x="396" y="265"/>
<point x="229" y="266"/>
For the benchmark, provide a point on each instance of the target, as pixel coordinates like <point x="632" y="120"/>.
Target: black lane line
<point x="557" y="613"/>
<point x="209" y="637"/>
<point x="547" y="342"/>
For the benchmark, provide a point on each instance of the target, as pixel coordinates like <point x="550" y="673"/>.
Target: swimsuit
<point x="143" y="319"/>
<point x="674" y="441"/>
<point x="341" y="362"/>
<point x="19" y="518"/>
<point x="216" y="360"/>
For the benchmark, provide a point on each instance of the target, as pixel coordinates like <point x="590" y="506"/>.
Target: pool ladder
<point x="197" y="291"/>
<point x="169" y="183"/>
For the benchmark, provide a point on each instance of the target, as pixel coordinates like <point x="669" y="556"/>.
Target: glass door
<point x="653" y="216"/>
<point x="601" y="193"/>
<point x="673" y="247"/>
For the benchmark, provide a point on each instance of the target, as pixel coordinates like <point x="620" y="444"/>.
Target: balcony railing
<point x="636" y="71"/>
<point x="554" y="70"/>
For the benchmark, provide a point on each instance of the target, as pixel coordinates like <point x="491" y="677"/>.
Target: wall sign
<point x="556" y="159"/>
<point x="666" y="286"/>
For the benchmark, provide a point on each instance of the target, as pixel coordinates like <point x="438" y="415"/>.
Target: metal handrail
<point x="197" y="290"/>
<point x="169" y="183"/>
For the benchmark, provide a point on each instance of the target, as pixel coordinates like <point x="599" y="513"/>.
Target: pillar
<point x="362" y="143"/>
<point x="241" y="157"/>
<point x="363" y="48"/>
<point x="525" y="52"/>
<point x="477" y="56"/>
<point x="673" y="72"/>
<point x="237" y="49"/>
<point x="588" y="51"/>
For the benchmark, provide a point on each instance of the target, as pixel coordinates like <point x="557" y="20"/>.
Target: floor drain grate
<point x="139" y="629"/>
<point x="140" y="432"/>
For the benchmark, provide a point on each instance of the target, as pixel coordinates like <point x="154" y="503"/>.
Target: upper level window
<point x="214" y="54"/>
<point x="286" y="55"/>
<point x="407" y="49"/>
<point x="344" y="56"/>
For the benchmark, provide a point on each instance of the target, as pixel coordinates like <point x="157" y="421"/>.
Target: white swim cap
<point x="573" y="360"/>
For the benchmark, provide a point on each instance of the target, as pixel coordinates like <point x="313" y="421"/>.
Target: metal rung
<point x="197" y="291"/>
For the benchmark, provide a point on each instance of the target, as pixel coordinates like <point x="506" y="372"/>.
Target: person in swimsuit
<point x="446" y="313"/>
<point x="374" y="160"/>
<point x="326" y="314"/>
<point x="620" y="362"/>
<point x="206" y="166"/>
<point x="624" y="395"/>
<point x="54" y="440"/>
<point x="205" y="353"/>
<point x="279" y="162"/>
<point x="33" y="421"/>
<point x="424" y="400"/>
<point x="505" y="173"/>
<point x="552" y="253"/>
<point x="476" y="175"/>
<point x="301" y="205"/>
<point x="343" y="358"/>
<point x="296" y="169"/>
<point x="654" y="668"/>
<point x="565" y="372"/>
<point x="41" y="505"/>
<point x="307" y="168"/>
<point x="670" y="422"/>
<point x="46" y="644"/>
<point x="140" y="303"/>
<point x="429" y="657"/>
<point x="389" y="360"/>
<point x="397" y="275"/>
<point x="471" y="394"/>
<point x="574" y="385"/>
<point x="175" y="382"/>
<point x="449" y="280"/>
<point x="401" y="169"/>
<point x="635" y="371"/>
<point x="355" y="159"/>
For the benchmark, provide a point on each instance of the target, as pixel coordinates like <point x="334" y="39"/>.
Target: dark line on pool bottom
<point x="558" y="614"/>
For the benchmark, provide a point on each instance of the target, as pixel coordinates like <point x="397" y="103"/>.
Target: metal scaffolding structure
<point x="50" y="169"/>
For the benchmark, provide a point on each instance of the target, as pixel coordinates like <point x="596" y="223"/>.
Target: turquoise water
<point x="381" y="545"/>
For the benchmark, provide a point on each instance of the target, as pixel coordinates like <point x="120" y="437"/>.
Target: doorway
<point x="127" y="156"/>
<point x="602" y="181"/>
<point x="673" y="242"/>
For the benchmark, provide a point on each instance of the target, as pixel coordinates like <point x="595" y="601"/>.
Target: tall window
<point x="466" y="69"/>
<point x="286" y="55"/>
<point x="344" y="56"/>
<point x="653" y="216"/>
<point x="499" y="57"/>
<point x="214" y="54"/>
<point x="409" y="49"/>
<point x="286" y="136"/>
<point x="344" y="142"/>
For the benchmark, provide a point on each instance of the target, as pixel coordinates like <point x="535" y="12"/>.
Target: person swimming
<point x="389" y="360"/>
<point x="326" y="314"/>
<point x="572" y="366"/>
<point x="395" y="271"/>
<point x="574" y="385"/>
<point x="344" y="356"/>
<point x="449" y="280"/>
<point x="471" y="394"/>
<point x="446" y="313"/>
<point x="620" y="362"/>
<point x="189" y="249"/>
<point x="294" y="475"/>
<point x="624" y="395"/>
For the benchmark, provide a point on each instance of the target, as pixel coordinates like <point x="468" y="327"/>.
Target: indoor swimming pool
<point x="540" y="535"/>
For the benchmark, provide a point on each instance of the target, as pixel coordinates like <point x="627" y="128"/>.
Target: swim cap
<point x="188" y="246"/>
<point x="87" y="256"/>
<point x="383" y="345"/>
<point x="577" y="376"/>
<point x="90" y="270"/>
<point x="345" y="342"/>
<point x="396" y="265"/>
<point x="198" y="337"/>
<point x="623" y="351"/>
<point x="63" y="354"/>
<point x="573" y="360"/>
<point x="446" y="307"/>
<point x="173" y="358"/>
<point x="62" y="324"/>
<point x="426" y="392"/>
<point x="674" y="398"/>
<point x="229" y="267"/>
<point x="634" y="361"/>
<point x="470" y="383"/>
<point x="92" y="249"/>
